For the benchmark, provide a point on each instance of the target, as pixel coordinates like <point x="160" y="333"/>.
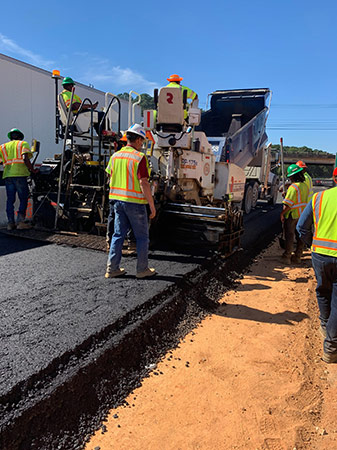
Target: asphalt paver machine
<point x="195" y="203"/>
<point x="70" y="191"/>
<point x="198" y="163"/>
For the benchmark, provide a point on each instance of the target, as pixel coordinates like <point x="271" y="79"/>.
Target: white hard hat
<point x="137" y="129"/>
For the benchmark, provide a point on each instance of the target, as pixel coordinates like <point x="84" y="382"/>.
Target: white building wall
<point x="27" y="102"/>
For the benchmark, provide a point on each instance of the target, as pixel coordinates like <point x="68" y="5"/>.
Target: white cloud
<point x="8" y="46"/>
<point x="101" y="73"/>
<point x="118" y="78"/>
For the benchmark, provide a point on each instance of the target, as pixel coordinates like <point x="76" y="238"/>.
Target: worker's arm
<point x="304" y="224"/>
<point x="146" y="189"/>
<point x="29" y="165"/>
<point x="284" y="211"/>
<point x="76" y="105"/>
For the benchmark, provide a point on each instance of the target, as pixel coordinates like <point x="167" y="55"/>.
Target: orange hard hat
<point x="174" y="77"/>
<point x="301" y="164"/>
<point x="123" y="138"/>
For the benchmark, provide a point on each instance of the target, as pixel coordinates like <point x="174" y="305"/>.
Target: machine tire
<point x="255" y="187"/>
<point x="273" y="199"/>
<point x="248" y="199"/>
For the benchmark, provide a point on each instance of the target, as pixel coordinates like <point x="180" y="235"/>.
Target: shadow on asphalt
<point x="169" y="279"/>
<point x="11" y="244"/>
<point x="178" y="257"/>
<point x="236" y="311"/>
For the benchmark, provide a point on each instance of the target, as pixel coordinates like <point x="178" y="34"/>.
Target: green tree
<point x="146" y="102"/>
<point x="315" y="170"/>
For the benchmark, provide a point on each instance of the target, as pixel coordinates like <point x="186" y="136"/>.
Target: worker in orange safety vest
<point x="320" y="215"/>
<point x="129" y="194"/>
<point x="307" y="177"/>
<point x="294" y="203"/>
<point x="15" y="156"/>
<point x="175" y="81"/>
<point x="68" y="84"/>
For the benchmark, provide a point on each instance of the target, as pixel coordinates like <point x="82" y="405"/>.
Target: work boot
<point x="286" y="259"/>
<point x="115" y="273"/>
<point x="329" y="358"/>
<point x="11" y="226"/>
<point x="149" y="272"/>
<point x="23" y="226"/>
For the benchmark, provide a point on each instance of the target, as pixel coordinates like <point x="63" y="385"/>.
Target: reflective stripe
<point x="325" y="222"/>
<point x="316" y="206"/>
<point x="126" y="193"/>
<point x="18" y="160"/>
<point x="124" y="184"/>
<point x="4" y="154"/>
<point x="324" y="243"/>
<point x="19" y="149"/>
<point x="298" y="205"/>
<point x="14" y="161"/>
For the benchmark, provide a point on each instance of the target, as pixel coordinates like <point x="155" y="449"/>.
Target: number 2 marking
<point x="169" y="97"/>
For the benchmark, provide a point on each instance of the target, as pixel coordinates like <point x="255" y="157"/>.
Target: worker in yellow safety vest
<point x="15" y="156"/>
<point x="174" y="81"/>
<point x="294" y="203"/>
<point x="68" y="84"/>
<point x="321" y="215"/>
<point x="110" y="225"/>
<point x="129" y="194"/>
<point x="308" y="178"/>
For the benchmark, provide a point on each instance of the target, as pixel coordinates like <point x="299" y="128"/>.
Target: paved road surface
<point x="54" y="300"/>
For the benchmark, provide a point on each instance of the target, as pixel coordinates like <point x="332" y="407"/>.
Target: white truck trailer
<point x="28" y="102"/>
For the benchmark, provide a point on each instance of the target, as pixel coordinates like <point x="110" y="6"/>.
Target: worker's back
<point x="324" y="205"/>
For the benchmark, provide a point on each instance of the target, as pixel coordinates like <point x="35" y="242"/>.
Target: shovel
<point x="281" y="239"/>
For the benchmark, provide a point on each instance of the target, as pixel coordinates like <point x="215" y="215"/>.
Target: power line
<point x="301" y="129"/>
<point x="304" y="105"/>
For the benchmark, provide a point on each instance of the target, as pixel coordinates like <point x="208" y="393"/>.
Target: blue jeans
<point x="16" y="185"/>
<point x="325" y="268"/>
<point x="134" y="216"/>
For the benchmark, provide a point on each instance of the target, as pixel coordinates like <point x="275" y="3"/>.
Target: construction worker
<point x="321" y="215"/>
<point x="308" y="178"/>
<point x="130" y="192"/>
<point x="294" y="203"/>
<point x="15" y="157"/>
<point x="110" y="225"/>
<point x="68" y="84"/>
<point x="174" y="81"/>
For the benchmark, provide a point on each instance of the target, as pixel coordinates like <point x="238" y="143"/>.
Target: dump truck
<point x="235" y="125"/>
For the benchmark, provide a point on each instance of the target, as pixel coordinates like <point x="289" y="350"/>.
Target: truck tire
<point x="248" y="199"/>
<point x="255" y="187"/>
<point x="273" y="198"/>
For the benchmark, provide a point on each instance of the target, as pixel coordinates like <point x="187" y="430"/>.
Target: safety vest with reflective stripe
<point x="67" y="97"/>
<point x="297" y="199"/>
<point x="124" y="183"/>
<point x="324" y="206"/>
<point x="190" y="94"/>
<point x="11" y="155"/>
<point x="308" y="181"/>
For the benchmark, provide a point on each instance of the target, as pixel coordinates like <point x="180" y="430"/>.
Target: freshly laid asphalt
<point x="54" y="298"/>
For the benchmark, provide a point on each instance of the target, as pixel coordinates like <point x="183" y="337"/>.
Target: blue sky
<point x="288" y="46"/>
